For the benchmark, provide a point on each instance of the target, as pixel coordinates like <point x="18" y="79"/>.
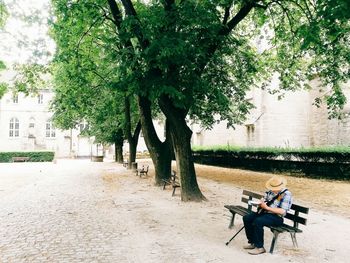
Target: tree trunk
<point x="162" y="165"/>
<point x="132" y="153"/>
<point x="118" y="139"/>
<point x="118" y="152"/>
<point x="161" y="152"/>
<point x="132" y="138"/>
<point x="181" y="138"/>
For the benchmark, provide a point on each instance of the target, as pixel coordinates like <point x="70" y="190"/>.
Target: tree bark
<point x="181" y="138"/>
<point x="118" y="139"/>
<point x="161" y="152"/>
<point x="132" y="138"/>
<point x="118" y="152"/>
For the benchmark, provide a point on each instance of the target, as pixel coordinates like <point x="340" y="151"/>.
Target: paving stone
<point x="65" y="216"/>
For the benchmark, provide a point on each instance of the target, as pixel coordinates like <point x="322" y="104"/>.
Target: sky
<point x="24" y="41"/>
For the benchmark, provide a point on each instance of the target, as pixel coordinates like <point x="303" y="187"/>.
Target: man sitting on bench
<point x="272" y="208"/>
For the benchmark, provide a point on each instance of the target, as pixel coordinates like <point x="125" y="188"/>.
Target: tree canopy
<point x="197" y="59"/>
<point x="87" y="81"/>
<point x="3" y="15"/>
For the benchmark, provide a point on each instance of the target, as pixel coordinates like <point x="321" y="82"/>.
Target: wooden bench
<point x="291" y="220"/>
<point x="20" y="159"/>
<point x="125" y="163"/>
<point x="173" y="181"/>
<point x="142" y="171"/>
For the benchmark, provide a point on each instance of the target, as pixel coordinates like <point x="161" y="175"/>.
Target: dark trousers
<point x="254" y="226"/>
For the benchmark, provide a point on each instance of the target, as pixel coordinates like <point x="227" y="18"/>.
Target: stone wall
<point x="292" y="121"/>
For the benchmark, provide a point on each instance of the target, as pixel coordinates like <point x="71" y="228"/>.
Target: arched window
<point x="40" y="99"/>
<point x="50" y="130"/>
<point x="31" y="127"/>
<point x="14" y="127"/>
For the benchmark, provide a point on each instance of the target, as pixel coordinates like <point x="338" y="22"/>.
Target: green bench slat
<point x="252" y="194"/>
<point x="296" y="219"/>
<point x="237" y="209"/>
<point x="286" y="228"/>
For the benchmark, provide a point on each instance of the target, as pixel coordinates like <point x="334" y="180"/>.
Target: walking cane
<point x="228" y="242"/>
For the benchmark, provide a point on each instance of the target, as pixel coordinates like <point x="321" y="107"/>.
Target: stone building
<point x="290" y="122"/>
<point x="26" y="125"/>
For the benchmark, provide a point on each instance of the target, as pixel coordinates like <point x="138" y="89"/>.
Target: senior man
<point x="273" y="207"/>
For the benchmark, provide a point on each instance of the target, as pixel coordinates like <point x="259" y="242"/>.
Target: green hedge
<point x="332" y="163"/>
<point x="6" y="157"/>
<point x="320" y="154"/>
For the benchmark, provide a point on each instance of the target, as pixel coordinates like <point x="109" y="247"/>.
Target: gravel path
<point x="77" y="211"/>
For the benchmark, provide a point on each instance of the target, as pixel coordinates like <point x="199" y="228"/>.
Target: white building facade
<point x="26" y="125"/>
<point x="290" y="122"/>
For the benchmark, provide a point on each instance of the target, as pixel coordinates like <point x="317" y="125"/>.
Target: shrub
<point x="339" y="154"/>
<point x="6" y="157"/>
<point x="326" y="162"/>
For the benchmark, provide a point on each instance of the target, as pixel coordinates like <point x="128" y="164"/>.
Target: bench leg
<point x="174" y="188"/>
<point x="294" y="239"/>
<point x="274" y="240"/>
<point x="164" y="185"/>
<point x="232" y="222"/>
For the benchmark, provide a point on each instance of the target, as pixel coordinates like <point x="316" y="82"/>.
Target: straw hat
<point x="276" y="183"/>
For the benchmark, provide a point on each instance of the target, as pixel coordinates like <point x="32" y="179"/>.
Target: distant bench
<point x="292" y="216"/>
<point x="20" y="159"/>
<point x="142" y="171"/>
<point x="125" y="163"/>
<point x="173" y="181"/>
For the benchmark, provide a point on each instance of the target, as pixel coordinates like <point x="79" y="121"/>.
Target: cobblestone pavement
<point x="78" y="211"/>
<point x="64" y="215"/>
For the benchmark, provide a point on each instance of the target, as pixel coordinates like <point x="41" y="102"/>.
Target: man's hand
<point x="276" y="210"/>
<point x="263" y="205"/>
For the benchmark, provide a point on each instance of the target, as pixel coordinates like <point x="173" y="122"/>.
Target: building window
<point x="50" y="130"/>
<point x="250" y="134"/>
<point x="31" y="127"/>
<point x="14" y="128"/>
<point x="15" y="98"/>
<point x="83" y="126"/>
<point x="40" y="99"/>
<point x="31" y="122"/>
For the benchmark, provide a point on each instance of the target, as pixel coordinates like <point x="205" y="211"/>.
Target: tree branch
<point x="117" y="15"/>
<point x="87" y="32"/>
<point x="227" y="13"/>
<point x="242" y="13"/>
<point x="130" y="11"/>
<point x="129" y="8"/>
<point x="285" y="11"/>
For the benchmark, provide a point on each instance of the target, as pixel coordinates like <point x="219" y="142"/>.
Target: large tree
<point x="89" y="26"/>
<point x="102" y="114"/>
<point x="84" y="84"/>
<point x="198" y="58"/>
